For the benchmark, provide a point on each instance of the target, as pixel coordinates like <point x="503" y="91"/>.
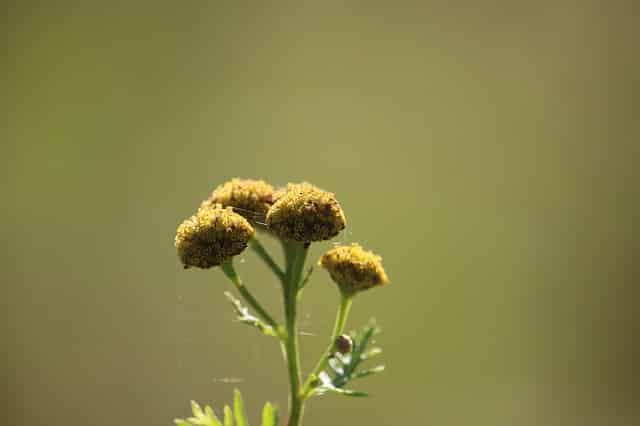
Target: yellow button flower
<point x="354" y="269"/>
<point x="250" y="198"/>
<point x="212" y="236"/>
<point x="305" y="213"/>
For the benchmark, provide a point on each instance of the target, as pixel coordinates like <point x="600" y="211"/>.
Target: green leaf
<point x="368" y="372"/>
<point x="365" y="335"/>
<point x="238" y="408"/>
<point x="228" y="416"/>
<point x="347" y="392"/>
<point x="328" y="386"/>
<point x="371" y="353"/>
<point x="196" y="409"/>
<point x="211" y="416"/>
<point x="269" y="415"/>
<point x="246" y="318"/>
<point x="200" y="417"/>
<point x="342" y="368"/>
<point x="237" y="416"/>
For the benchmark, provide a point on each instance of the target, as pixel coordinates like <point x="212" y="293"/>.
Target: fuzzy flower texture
<point x="223" y="227"/>
<point x="354" y="269"/>
<point x="212" y="236"/>
<point x="249" y="198"/>
<point x="306" y="213"/>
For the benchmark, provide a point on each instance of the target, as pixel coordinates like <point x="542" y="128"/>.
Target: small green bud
<point x="212" y="236"/>
<point x="250" y="198"/>
<point x="305" y="213"/>
<point x="354" y="269"/>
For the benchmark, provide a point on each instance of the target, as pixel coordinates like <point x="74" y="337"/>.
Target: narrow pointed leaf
<point x="371" y="353"/>
<point x="347" y="392"/>
<point x="366" y="335"/>
<point x="245" y="317"/>
<point x="181" y="422"/>
<point x="211" y="415"/>
<point x="196" y="409"/>
<point x="228" y="416"/>
<point x="368" y="372"/>
<point x="269" y="415"/>
<point x="238" y="408"/>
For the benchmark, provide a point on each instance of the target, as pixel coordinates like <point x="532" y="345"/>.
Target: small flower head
<point x="250" y="198"/>
<point x="212" y="236"/>
<point x="306" y="213"/>
<point x="354" y="269"/>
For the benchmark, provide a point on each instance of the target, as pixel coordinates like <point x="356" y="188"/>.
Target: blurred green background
<point x="488" y="150"/>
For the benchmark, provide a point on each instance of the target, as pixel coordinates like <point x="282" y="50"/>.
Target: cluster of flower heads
<point x="224" y="224"/>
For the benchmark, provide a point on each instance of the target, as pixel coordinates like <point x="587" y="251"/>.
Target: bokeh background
<point x="488" y="150"/>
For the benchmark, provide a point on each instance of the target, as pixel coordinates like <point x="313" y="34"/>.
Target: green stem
<point x="231" y="273"/>
<point x="257" y="247"/>
<point x="338" y="328"/>
<point x="296" y="254"/>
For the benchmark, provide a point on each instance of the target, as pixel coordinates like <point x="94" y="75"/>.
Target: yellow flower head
<point x="305" y="213"/>
<point x="354" y="269"/>
<point x="212" y="236"/>
<point x="250" y="198"/>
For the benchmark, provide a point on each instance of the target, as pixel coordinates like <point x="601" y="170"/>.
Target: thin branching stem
<point x="338" y="328"/>
<point x="231" y="273"/>
<point x="257" y="247"/>
<point x="296" y="254"/>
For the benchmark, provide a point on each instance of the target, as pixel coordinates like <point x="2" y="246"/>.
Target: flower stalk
<point x="230" y="272"/>
<point x="338" y="328"/>
<point x="296" y="254"/>
<point x="259" y="249"/>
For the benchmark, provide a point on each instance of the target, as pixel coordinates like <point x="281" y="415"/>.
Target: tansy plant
<point x="297" y="215"/>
